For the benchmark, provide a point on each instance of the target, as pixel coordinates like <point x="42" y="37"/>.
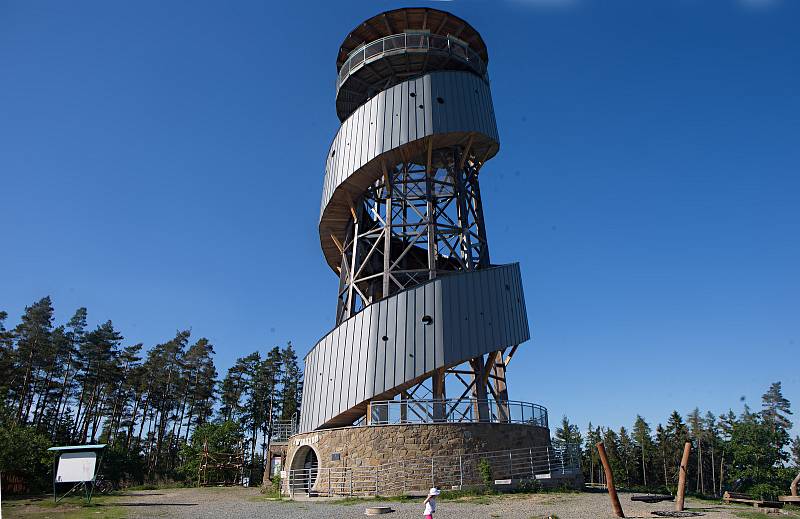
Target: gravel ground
<point x="230" y="503"/>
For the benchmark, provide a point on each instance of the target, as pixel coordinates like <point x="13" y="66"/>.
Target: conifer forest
<point x="71" y="384"/>
<point x="154" y="406"/>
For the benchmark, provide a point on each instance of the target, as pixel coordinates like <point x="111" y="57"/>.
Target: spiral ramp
<point x="401" y="224"/>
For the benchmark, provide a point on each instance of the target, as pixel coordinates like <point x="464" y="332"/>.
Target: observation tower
<point x="426" y="325"/>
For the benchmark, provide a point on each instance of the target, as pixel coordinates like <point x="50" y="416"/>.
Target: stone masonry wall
<point x="362" y="447"/>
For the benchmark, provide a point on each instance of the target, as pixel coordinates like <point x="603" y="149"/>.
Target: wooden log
<point x="612" y="490"/>
<point x="687" y="447"/>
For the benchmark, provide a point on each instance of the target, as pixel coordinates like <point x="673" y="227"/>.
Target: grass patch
<point x="752" y="514"/>
<point x="159" y="486"/>
<point x="101" y="507"/>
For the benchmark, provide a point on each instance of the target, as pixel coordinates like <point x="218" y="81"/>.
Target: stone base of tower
<point x="410" y="458"/>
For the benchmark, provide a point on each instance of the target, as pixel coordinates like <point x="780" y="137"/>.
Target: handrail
<point x="283" y="429"/>
<point x="415" y="42"/>
<point x="412" y="411"/>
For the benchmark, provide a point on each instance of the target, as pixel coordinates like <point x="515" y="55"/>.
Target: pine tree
<point x="712" y="441"/>
<point x="775" y="409"/>
<point x="611" y="443"/>
<point x="6" y="359"/>
<point x="697" y="432"/>
<point x="677" y="434"/>
<point x="201" y="376"/>
<point x="627" y="455"/>
<point x="291" y="384"/>
<point x="567" y="434"/>
<point x="642" y="436"/>
<point x="591" y="456"/>
<point x="662" y="443"/>
<point x="33" y="343"/>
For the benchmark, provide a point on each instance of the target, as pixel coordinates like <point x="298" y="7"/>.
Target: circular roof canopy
<point x="411" y="18"/>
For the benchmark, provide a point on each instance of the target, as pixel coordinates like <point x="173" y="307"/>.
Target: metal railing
<point x="410" y="42"/>
<point x="446" y="472"/>
<point x="283" y="429"/>
<point x="384" y="412"/>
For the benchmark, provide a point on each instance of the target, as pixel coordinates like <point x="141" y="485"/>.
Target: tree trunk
<point x="25" y="382"/>
<point x="644" y="468"/>
<point x="713" y="473"/>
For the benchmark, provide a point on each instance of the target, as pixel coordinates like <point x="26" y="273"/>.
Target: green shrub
<point x="485" y="471"/>
<point x="23" y="452"/>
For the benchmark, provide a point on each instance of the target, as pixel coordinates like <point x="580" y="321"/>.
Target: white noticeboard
<point x="74" y="467"/>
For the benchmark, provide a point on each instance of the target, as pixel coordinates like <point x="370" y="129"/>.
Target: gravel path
<point x="230" y="503"/>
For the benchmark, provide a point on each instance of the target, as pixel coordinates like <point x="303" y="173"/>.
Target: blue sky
<point x="161" y="163"/>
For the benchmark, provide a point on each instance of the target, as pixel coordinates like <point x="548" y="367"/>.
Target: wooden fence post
<point x="682" y="477"/>
<point x="612" y="490"/>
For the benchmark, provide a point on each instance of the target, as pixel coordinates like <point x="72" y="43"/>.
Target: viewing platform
<point x="412" y="411"/>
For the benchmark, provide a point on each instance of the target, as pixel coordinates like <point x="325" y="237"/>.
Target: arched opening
<point x="304" y="469"/>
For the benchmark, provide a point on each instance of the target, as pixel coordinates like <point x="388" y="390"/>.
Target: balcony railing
<point x="387" y="412"/>
<point x="410" y="42"/>
<point x="283" y="429"/>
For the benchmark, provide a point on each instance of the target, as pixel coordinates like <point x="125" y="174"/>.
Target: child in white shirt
<point x="430" y="503"/>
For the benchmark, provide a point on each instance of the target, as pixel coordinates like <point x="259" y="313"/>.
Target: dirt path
<point x="244" y="503"/>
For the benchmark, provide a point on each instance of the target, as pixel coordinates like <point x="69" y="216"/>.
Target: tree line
<point x="750" y="452"/>
<point x="68" y="384"/>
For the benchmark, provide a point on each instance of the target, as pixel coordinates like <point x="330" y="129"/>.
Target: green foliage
<point x="745" y="453"/>
<point x="568" y="434"/>
<point x="122" y="466"/>
<point x="756" y="452"/>
<point x="527" y="486"/>
<point x="485" y="471"/>
<point x="74" y="384"/>
<point x="23" y="452"/>
<point x="273" y="490"/>
<point x="224" y="437"/>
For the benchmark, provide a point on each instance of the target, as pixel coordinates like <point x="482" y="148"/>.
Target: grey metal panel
<point x="311" y="384"/>
<point x="323" y="382"/>
<point x="355" y="346"/>
<point x="372" y="365"/>
<point x="508" y="324"/>
<point x="390" y="119"/>
<point x="410" y="323"/>
<point x="429" y="290"/>
<point x="473" y="313"/>
<point x="334" y="373"/>
<point x="392" y="346"/>
<point x="402" y="94"/>
<point x="312" y="373"/>
<point x="419" y="331"/>
<point x="400" y="338"/>
<point x="327" y="375"/>
<point x="366" y="316"/>
<point x="428" y="103"/>
<point x="346" y="355"/>
<point x="308" y="391"/>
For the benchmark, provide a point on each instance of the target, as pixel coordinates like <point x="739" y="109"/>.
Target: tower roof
<point x="411" y="18"/>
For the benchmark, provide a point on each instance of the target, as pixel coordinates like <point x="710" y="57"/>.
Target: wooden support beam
<point x="337" y="243"/>
<point x="465" y="154"/>
<point x="352" y="210"/>
<point x="511" y="354"/>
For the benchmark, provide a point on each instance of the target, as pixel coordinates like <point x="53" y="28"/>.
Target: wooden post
<point x="612" y="491"/>
<point x="687" y="447"/>
<point x="793" y="487"/>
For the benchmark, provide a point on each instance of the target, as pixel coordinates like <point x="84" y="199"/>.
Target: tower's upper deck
<point x="399" y="45"/>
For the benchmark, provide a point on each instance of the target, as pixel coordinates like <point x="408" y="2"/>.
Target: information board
<point x="74" y="467"/>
